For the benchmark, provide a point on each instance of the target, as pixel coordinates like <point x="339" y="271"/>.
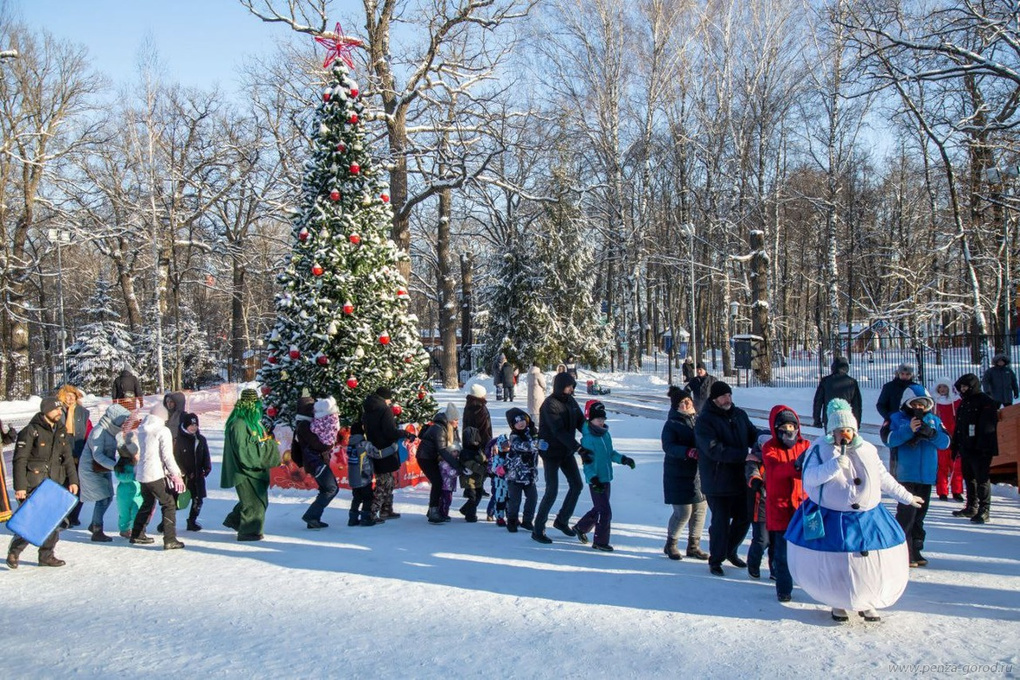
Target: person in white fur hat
<point x="844" y="548"/>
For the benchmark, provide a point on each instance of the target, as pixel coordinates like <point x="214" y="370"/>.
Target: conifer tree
<point x="101" y="347"/>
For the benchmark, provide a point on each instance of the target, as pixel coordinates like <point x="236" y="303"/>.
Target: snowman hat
<point x="840" y="416"/>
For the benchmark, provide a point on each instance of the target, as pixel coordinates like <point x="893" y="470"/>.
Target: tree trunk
<point x="238" y="328"/>
<point x="760" y="308"/>
<point x="467" y="312"/>
<point x="447" y="292"/>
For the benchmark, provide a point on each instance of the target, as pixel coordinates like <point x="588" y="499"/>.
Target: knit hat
<point x="786" y="416"/>
<point x="677" y="394"/>
<point x="324" y="407"/>
<point x="384" y="392"/>
<point x="594" y="409"/>
<point x="905" y="368"/>
<point x="452" y="412"/>
<point x="48" y="404"/>
<point x="840" y="415"/>
<point x="701" y="365"/>
<point x="248" y="396"/>
<point x="516" y="415"/>
<point x="477" y="391"/>
<point x="718" y="389"/>
<point x="188" y="419"/>
<point x="159" y="411"/>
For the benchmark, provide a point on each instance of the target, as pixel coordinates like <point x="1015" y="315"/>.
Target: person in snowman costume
<point x="844" y="548"/>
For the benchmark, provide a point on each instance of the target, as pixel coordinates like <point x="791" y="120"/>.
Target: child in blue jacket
<point x="598" y="472"/>
<point x="917" y="434"/>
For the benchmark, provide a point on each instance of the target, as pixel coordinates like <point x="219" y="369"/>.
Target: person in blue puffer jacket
<point x="918" y="434"/>
<point x="598" y="473"/>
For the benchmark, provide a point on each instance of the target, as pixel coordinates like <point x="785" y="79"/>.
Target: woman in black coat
<point x="681" y="484"/>
<point x="434" y="443"/>
<point x="975" y="439"/>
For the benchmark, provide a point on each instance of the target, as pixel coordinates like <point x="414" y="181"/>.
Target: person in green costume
<point x="248" y="454"/>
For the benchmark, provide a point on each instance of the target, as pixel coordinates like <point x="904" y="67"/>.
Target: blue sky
<point x="200" y="42"/>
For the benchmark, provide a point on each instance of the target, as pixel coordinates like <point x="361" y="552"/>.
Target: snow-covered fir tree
<point x="101" y="347"/>
<point x="520" y="322"/>
<point x="539" y="303"/>
<point x="342" y="324"/>
<point x="568" y="260"/>
<point x="186" y="355"/>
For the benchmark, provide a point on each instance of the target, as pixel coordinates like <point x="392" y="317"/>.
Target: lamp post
<point x="688" y="228"/>
<point x="60" y="237"/>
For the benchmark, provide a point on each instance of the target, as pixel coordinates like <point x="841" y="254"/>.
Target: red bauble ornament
<point x="352" y="382"/>
<point x="265" y="390"/>
<point x="421" y="395"/>
<point x="385" y="198"/>
<point x="384" y="338"/>
<point x="353" y="120"/>
<point x="271" y="411"/>
<point x="348" y="308"/>
<point x="354" y="92"/>
<point x="303" y="235"/>
<point x="325" y="96"/>
<point x="355" y="168"/>
<point x="401" y="293"/>
<point x="294" y="353"/>
<point x="272" y="358"/>
<point x="355" y="239"/>
<point x="317" y="269"/>
<point x="396" y="409"/>
<point x="334" y="195"/>
<point x="341" y="147"/>
<point x="322" y="360"/>
<point x="408" y="360"/>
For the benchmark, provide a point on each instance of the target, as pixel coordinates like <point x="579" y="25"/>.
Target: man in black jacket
<point x="43" y="450"/>
<point x="381" y="430"/>
<point x="724" y="435"/>
<point x="560" y="418"/>
<point x="127" y="391"/>
<point x="975" y="439"/>
<point x="700" y="386"/>
<point x="836" y="385"/>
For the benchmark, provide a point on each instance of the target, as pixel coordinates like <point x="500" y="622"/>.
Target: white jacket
<point x="155" y="451"/>
<point x="840" y="492"/>
<point x="536" y="391"/>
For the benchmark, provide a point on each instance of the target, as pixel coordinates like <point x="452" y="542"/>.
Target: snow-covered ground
<point x="408" y="599"/>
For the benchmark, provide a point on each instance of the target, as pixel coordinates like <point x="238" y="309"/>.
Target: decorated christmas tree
<point x="342" y="324"/>
<point x="102" y="346"/>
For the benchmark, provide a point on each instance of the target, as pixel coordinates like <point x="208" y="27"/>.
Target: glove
<point x="628" y="461"/>
<point x="596" y="485"/>
<point x="587" y="455"/>
<point x="756" y="483"/>
<point x="926" y="431"/>
<point x="844" y="462"/>
<point x="177" y="483"/>
<point x="917" y="502"/>
<point x="692" y="453"/>
<point x="500" y="471"/>
<point x="410" y="437"/>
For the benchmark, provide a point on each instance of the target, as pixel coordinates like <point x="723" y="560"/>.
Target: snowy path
<point x="407" y="599"/>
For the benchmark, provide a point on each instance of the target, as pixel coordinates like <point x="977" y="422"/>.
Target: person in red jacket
<point x="950" y="472"/>
<point x="783" y="490"/>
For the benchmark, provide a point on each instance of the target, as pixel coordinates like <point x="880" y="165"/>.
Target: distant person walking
<point x="836" y="385"/>
<point x="999" y="381"/>
<point x="127" y="391"/>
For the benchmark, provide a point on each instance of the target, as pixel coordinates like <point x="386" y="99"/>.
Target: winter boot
<point x="695" y="551"/>
<point x="958" y="497"/>
<point x="353" y="519"/>
<point x="984" y="496"/>
<point x="869" y="615"/>
<point x="511" y="526"/>
<point x="172" y="545"/>
<point x="581" y="535"/>
<point x="51" y="561"/>
<point x="967" y="511"/>
<point x="316" y="524"/>
<point x="735" y="560"/>
<point x="142" y="539"/>
<point x="540" y="536"/>
<point x="564" y="527"/>
<point x="434" y="517"/>
<point x="367" y="519"/>
<point x="670" y="550"/>
<point x="99" y="537"/>
<point x="840" y="615"/>
<point x="196" y="507"/>
<point x="527" y="525"/>
<point x="970" y="509"/>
